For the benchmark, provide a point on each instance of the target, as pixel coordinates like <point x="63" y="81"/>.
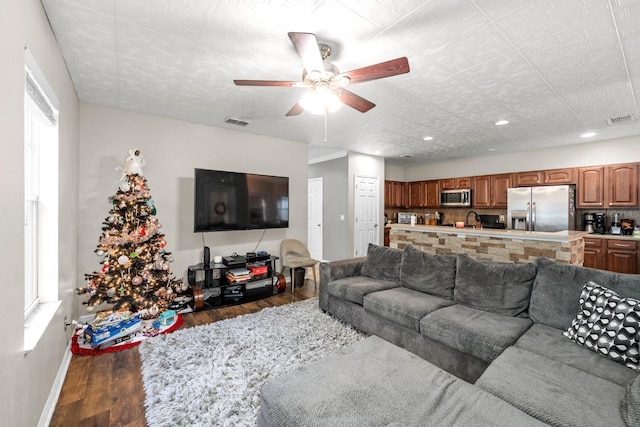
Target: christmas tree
<point x="135" y="272"/>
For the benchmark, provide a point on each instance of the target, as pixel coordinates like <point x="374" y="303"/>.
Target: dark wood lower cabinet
<point x="621" y="256"/>
<point x="595" y="254"/>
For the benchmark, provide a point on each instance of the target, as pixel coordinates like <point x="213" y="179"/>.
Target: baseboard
<point x="56" y="388"/>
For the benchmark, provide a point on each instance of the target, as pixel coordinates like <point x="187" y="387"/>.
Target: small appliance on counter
<point x="405" y="217"/>
<point x="600" y="219"/>
<point x="627" y="226"/>
<point x="491" y="221"/>
<point x="615" y="225"/>
<point x="589" y="222"/>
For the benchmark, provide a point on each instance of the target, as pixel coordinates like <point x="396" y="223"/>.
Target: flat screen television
<point x="239" y="201"/>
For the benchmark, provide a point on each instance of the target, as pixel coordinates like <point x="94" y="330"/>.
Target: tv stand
<point x="213" y="285"/>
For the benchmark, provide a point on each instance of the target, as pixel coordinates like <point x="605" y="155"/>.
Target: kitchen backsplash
<point x="453" y="215"/>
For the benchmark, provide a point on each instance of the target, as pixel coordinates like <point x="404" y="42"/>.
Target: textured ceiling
<point x="554" y="68"/>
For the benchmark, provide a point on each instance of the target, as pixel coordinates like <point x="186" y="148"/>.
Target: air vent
<point x="237" y="122"/>
<point x="621" y="119"/>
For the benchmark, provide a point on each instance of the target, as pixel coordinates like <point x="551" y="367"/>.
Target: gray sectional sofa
<point x="501" y="329"/>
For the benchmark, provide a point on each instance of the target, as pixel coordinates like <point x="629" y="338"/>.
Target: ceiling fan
<point x="326" y="82"/>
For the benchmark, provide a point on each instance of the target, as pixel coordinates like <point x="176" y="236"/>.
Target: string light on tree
<point x="135" y="273"/>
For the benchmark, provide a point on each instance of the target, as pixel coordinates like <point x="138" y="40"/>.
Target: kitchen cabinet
<point x="559" y="176"/>
<point x="610" y="186"/>
<point x="388" y="191"/>
<point x="416" y="194"/>
<point x="545" y="177"/>
<point x="622" y="256"/>
<point x="395" y="194"/>
<point x="527" y="179"/>
<point x="387" y="236"/>
<point x="432" y="194"/>
<point x="621" y="189"/>
<point x="454" y="183"/>
<point x="499" y="186"/>
<point x="591" y="187"/>
<point x="595" y="253"/>
<point x="481" y="191"/>
<point x="612" y="254"/>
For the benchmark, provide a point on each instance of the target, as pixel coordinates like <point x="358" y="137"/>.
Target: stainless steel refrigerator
<point x="545" y="208"/>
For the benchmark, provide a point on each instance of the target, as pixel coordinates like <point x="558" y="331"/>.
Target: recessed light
<point x="501" y="122"/>
<point x="377" y="152"/>
<point x="427" y="138"/>
<point x="588" y="134"/>
<point x="491" y="149"/>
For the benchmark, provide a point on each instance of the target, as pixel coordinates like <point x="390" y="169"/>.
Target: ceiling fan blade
<point x="264" y="83"/>
<point x="355" y="101"/>
<point x="307" y="47"/>
<point x="295" y="110"/>
<point x="379" y="71"/>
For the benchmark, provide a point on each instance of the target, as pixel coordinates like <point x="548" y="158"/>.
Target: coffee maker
<point x="599" y="224"/>
<point x="589" y="222"/>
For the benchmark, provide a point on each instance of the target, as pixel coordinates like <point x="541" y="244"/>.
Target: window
<point x="41" y="189"/>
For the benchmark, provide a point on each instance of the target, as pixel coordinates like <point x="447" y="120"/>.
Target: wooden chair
<point x="294" y="254"/>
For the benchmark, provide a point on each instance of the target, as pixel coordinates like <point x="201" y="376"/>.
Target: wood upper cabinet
<point x="499" y="186"/>
<point x="526" y="179"/>
<point x="454" y="183"/>
<point x="545" y="177"/>
<point x="591" y="187"/>
<point x="416" y="194"/>
<point x="432" y="194"/>
<point x="621" y="189"/>
<point x="395" y="194"/>
<point x="559" y="176"/>
<point x="611" y="186"/>
<point x="481" y="191"/>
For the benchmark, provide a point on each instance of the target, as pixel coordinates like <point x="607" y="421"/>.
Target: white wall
<point x="26" y="380"/>
<point x="598" y="153"/>
<point x="172" y="149"/>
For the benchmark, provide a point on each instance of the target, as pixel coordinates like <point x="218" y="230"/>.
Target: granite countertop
<point x="612" y="237"/>
<point x="558" y="236"/>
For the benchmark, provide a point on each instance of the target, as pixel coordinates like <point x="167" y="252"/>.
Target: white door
<point x="314" y="222"/>
<point x="366" y="213"/>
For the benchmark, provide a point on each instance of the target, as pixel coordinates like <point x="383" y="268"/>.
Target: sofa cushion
<point x="607" y="324"/>
<point x="630" y="405"/>
<point x="354" y="288"/>
<point x="557" y="287"/>
<point x="403" y="306"/>
<point x="551" y="391"/>
<point x="375" y="383"/>
<point x="382" y="263"/>
<point x="433" y="274"/>
<point x="498" y="287"/>
<point x="549" y="342"/>
<point x="478" y="333"/>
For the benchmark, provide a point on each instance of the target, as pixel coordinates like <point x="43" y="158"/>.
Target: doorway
<point x="314" y="221"/>
<point x="366" y="211"/>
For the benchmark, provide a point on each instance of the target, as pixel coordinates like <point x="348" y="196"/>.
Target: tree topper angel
<point x="133" y="164"/>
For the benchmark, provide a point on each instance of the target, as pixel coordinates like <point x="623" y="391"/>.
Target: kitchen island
<point x="515" y="246"/>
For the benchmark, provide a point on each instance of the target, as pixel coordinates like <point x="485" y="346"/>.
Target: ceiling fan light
<point x="320" y="101"/>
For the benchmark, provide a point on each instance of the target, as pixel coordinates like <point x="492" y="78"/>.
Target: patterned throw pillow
<point x="607" y="324"/>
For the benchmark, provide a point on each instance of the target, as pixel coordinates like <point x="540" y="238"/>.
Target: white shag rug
<point x="211" y="375"/>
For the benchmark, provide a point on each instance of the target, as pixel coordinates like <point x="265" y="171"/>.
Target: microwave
<point x="460" y="197"/>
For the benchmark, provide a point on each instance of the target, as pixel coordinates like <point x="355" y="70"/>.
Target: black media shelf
<point x="212" y="288"/>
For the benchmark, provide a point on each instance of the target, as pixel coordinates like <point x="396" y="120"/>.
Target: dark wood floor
<point x="106" y="390"/>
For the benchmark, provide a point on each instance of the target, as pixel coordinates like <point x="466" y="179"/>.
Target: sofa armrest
<point x="334" y="270"/>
